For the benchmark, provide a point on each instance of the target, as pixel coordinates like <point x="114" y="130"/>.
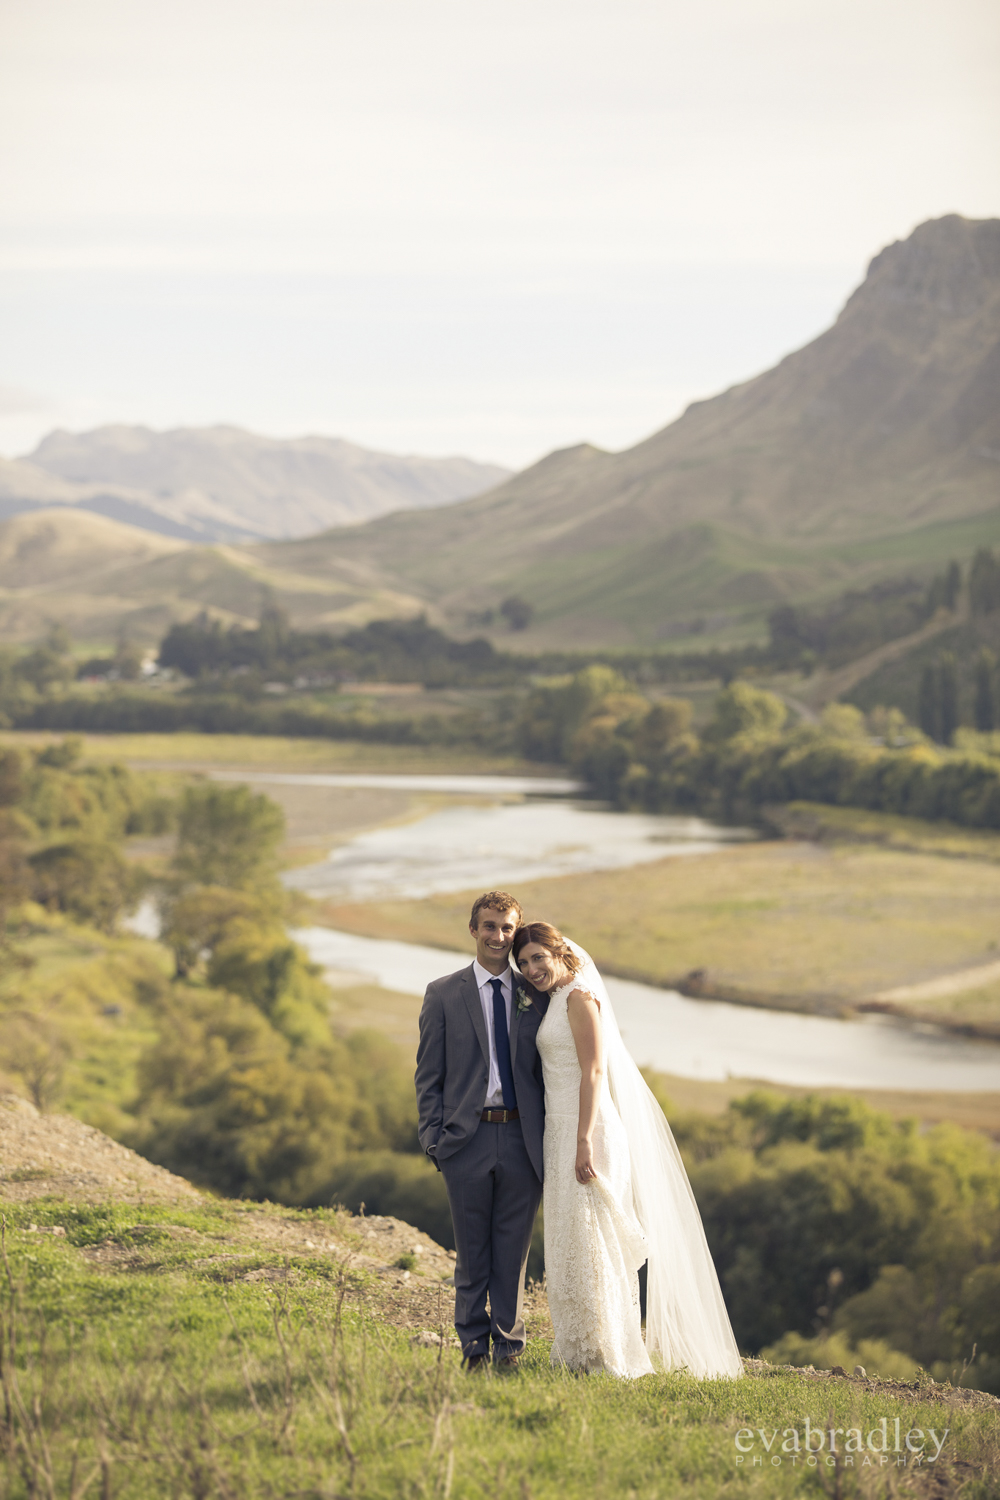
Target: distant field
<point x="273" y="753"/>
<point x="971" y="1111"/>
<point x="805" y="925"/>
<point x="856" y="825"/>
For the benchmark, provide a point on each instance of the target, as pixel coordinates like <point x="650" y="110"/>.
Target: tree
<point x="37" y="1050"/>
<point x="198" y="646"/>
<point x="48" y="667"/>
<point x="227" y="1100"/>
<point x="666" y="724"/>
<point x="984" y="703"/>
<point x="948" y="696"/>
<point x="273" y="631"/>
<point x="944" y="590"/>
<point x="62" y="755"/>
<point x="743" y="709"/>
<point x="842" y="721"/>
<point x="555" y="710"/>
<point x="228" y="835"/>
<point x="88" y="879"/>
<point x="929" y="703"/>
<point x="196" y="922"/>
<point x="517" y="612"/>
<point x="128" y="659"/>
<point x="984" y="582"/>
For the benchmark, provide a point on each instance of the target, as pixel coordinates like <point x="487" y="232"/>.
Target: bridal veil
<point x="687" y="1325"/>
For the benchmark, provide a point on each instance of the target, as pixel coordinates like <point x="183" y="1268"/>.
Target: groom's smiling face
<point x="493" y="936"/>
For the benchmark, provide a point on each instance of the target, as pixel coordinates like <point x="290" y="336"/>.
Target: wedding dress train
<point x="639" y="1207"/>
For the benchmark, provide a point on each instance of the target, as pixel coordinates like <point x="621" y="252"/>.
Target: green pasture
<point x="275" y="753"/>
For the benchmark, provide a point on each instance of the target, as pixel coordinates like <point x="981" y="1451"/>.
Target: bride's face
<point x="541" y="968"/>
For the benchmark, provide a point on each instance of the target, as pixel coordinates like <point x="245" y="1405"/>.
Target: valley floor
<point x="839" y="916"/>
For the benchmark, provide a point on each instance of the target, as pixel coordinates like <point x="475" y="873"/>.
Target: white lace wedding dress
<point x="639" y="1207"/>
<point x="594" y="1245"/>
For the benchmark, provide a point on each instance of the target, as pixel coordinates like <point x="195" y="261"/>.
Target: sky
<point x="441" y="226"/>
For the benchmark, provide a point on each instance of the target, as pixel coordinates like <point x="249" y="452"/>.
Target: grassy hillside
<point x="101" y="579"/>
<point x="897" y="683"/>
<point x="203" y="1350"/>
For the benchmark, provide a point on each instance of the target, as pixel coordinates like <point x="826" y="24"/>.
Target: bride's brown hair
<point x="549" y="937"/>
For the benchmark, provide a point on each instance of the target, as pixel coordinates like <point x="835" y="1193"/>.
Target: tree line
<point x="230" y="669"/>
<point x="831" y="1223"/>
<point x="753" y="751"/>
<point x="861" y="619"/>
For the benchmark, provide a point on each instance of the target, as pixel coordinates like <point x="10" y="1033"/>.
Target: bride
<point x="616" y="1192"/>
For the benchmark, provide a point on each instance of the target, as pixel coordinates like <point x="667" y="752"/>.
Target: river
<point x="532" y="834"/>
<point x="710" y="1039"/>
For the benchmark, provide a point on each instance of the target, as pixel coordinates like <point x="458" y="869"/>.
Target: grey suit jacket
<point x="453" y="1066"/>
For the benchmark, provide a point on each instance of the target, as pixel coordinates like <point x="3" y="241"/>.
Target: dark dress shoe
<point x="509" y="1365"/>
<point x="476" y="1362"/>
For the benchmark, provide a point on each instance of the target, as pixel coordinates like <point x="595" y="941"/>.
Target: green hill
<point x="100" y="577"/>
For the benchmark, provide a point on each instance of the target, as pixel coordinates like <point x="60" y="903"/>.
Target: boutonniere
<point x="524" y="1001"/>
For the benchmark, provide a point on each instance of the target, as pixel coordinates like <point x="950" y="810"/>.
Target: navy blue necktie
<point x="501" y="1041"/>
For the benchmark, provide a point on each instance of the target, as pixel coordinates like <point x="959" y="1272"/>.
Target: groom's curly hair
<point x="550" y="937"/>
<point x="500" y="901"/>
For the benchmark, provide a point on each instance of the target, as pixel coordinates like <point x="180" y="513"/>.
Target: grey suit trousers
<point x="493" y="1193"/>
<point x="492" y="1173"/>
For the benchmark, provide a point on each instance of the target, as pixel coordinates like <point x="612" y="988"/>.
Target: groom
<point x="481" y="1111"/>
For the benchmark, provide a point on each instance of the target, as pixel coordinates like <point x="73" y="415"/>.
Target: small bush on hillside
<point x="874" y="1355"/>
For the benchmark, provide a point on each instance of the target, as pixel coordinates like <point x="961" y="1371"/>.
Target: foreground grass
<point x="808" y="926"/>
<point x="171" y="1372"/>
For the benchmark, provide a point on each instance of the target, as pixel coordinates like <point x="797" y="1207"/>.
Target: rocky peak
<point x="950" y="265"/>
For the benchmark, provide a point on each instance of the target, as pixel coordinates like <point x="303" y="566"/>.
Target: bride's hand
<point x="585" y="1169"/>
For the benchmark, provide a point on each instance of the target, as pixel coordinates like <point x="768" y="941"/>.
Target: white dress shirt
<point x="494" y="1091"/>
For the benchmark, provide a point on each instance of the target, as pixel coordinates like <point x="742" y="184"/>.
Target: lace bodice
<point x="593" y="1242"/>
<point x="560" y="1064"/>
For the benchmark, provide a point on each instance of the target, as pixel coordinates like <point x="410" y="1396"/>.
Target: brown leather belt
<point x="499" y="1116"/>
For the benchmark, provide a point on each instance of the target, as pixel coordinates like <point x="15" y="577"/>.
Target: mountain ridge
<point x="225" y="484"/>
<point x="788" y="486"/>
<point x="869" y="453"/>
